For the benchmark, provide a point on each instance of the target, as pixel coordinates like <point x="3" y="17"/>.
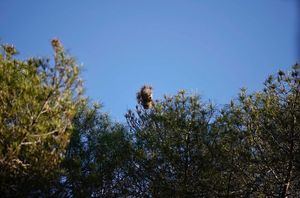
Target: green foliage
<point x="37" y="104"/>
<point x="173" y="147"/>
<point x="259" y="137"/>
<point x="52" y="143"/>
<point x="98" y="156"/>
<point x="248" y="148"/>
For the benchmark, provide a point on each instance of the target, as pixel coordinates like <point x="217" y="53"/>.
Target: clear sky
<point x="212" y="47"/>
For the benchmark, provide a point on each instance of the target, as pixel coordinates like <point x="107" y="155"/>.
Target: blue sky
<point x="212" y="47"/>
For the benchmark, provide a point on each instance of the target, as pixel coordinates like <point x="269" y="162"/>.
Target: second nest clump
<point x="145" y="97"/>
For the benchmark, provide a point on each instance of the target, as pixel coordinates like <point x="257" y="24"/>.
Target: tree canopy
<point x="37" y="103"/>
<point x="55" y="142"/>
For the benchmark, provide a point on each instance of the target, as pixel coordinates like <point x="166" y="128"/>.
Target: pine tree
<point x="38" y="100"/>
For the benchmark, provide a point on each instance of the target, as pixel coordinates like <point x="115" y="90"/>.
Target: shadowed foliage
<point x="98" y="157"/>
